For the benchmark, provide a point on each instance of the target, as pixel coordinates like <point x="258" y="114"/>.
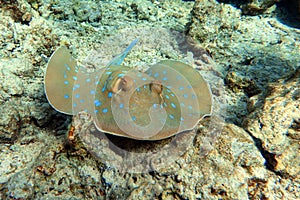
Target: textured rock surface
<point x="276" y="123"/>
<point x="255" y="7"/>
<point x="253" y="51"/>
<point x="256" y="156"/>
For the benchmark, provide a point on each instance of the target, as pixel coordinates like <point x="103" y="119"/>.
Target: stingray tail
<point x="119" y="58"/>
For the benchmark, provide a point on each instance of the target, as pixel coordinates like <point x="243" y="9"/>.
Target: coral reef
<point x="256" y="155"/>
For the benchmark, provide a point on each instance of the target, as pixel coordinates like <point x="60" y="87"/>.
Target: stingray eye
<point x="156" y="87"/>
<point x="125" y="83"/>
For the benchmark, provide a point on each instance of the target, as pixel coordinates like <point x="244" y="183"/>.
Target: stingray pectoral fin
<point x="197" y="83"/>
<point x="59" y="79"/>
<point x="119" y="58"/>
<point x="187" y="96"/>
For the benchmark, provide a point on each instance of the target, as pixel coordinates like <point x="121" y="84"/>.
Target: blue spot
<point x="185" y="96"/>
<point x="74" y="104"/>
<point x="181" y="118"/>
<point x="81" y="100"/>
<point x="77" y="96"/>
<point x="156" y="75"/>
<point x="133" y="118"/>
<point x="97" y="103"/>
<point x="86" y="110"/>
<point x="190" y="107"/>
<point x="103" y="89"/>
<point x="97" y="82"/>
<point x="145" y="86"/>
<point x="109" y="94"/>
<point x="144" y="78"/>
<point x="181" y="88"/>
<point x="171" y="116"/>
<point x="104" y="110"/>
<point x="65" y="75"/>
<point x="194" y="96"/>
<point x="178" y="77"/>
<point x="66" y="96"/>
<point x="75" y="78"/>
<point x="74" y="88"/>
<point x="167" y="96"/>
<point x="189" y="86"/>
<point x="134" y="81"/>
<point x="164" y="72"/>
<point x="165" y="78"/>
<point x="169" y="86"/>
<point x="92" y="92"/>
<point x="108" y="72"/>
<point x="88" y="80"/>
<point x="155" y="105"/>
<point x="96" y="111"/>
<point x="168" y="90"/>
<point x="139" y="75"/>
<point x="121" y="75"/>
<point x="77" y="86"/>
<point x="67" y="67"/>
<point x="66" y="82"/>
<point x="182" y="104"/>
<point x="138" y="89"/>
<point x="173" y="95"/>
<point x="121" y="105"/>
<point x="165" y="104"/>
<point x="173" y="105"/>
<point x="96" y="77"/>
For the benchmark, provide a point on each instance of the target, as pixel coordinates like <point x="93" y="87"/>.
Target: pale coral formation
<point x="256" y="55"/>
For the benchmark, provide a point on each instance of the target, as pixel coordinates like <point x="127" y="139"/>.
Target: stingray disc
<point x="169" y="98"/>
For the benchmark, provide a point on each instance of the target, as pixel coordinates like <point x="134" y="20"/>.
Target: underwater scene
<point x="150" y="99"/>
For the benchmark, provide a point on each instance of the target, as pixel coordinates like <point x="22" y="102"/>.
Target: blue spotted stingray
<point x="168" y="98"/>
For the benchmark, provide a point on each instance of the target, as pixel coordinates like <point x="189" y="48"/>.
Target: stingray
<point x="168" y="98"/>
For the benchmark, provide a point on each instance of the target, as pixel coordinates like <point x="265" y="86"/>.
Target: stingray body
<point x="169" y="98"/>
